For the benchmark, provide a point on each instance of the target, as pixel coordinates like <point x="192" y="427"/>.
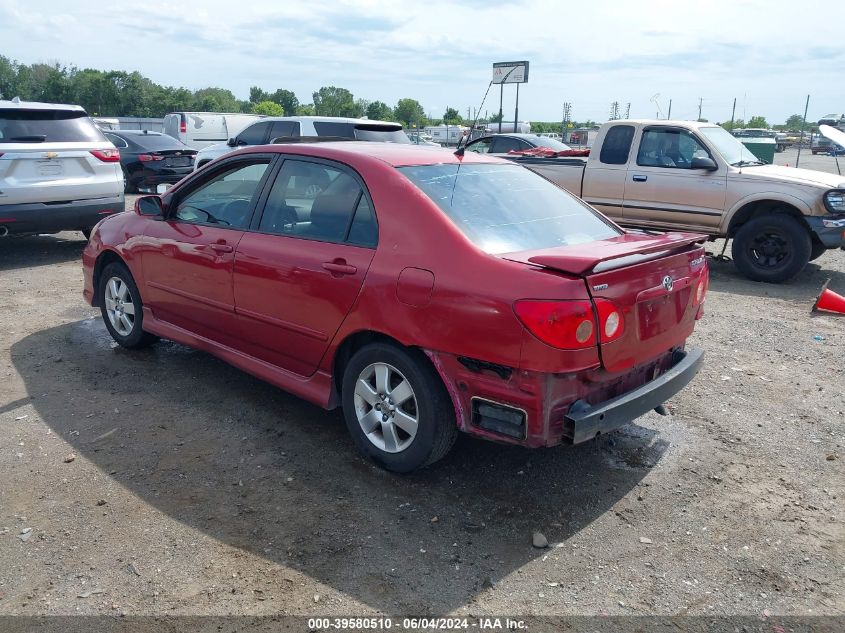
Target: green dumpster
<point x="762" y="148"/>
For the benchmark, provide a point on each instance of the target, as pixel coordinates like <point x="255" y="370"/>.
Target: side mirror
<point x="149" y="206"/>
<point x="231" y="142"/>
<point x="703" y="162"/>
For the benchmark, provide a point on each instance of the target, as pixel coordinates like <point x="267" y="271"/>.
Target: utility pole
<point x="628" y="110"/>
<point x="700" y="101"/>
<point x="803" y="124"/>
<point x="614" y="110"/>
<point x="669" y="114"/>
<point x="733" y="114"/>
<point x="567" y="113"/>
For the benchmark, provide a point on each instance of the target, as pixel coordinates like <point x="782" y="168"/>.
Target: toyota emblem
<point x="668" y="283"/>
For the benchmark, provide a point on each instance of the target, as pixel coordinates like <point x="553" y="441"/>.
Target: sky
<point x="768" y="54"/>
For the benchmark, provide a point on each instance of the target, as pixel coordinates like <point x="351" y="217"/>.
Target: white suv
<point x="57" y="170"/>
<point x="270" y="128"/>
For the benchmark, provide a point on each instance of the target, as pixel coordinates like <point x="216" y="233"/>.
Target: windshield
<point x="38" y="126"/>
<point x="507" y="208"/>
<point x="734" y="152"/>
<point x="544" y="141"/>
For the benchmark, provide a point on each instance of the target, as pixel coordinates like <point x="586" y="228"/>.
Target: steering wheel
<point x="234" y="212"/>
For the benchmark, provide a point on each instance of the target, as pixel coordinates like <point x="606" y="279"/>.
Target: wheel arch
<point x="753" y="207"/>
<point x="103" y="259"/>
<point x="357" y="340"/>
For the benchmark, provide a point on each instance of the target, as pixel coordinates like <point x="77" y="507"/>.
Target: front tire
<point x="122" y="308"/>
<point x="818" y="249"/>
<point x="397" y="408"/>
<point x="774" y="248"/>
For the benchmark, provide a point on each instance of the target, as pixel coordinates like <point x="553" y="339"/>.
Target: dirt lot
<point x="166" y="482"/>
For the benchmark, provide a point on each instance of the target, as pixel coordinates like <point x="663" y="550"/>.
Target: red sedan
<point x="423" y="292"/>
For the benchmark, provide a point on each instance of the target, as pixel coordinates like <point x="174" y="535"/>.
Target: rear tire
<point x="397" y="408"/>
<point x="773" y="248"/>
<point x="128" y="187"/>
<point x="817" y="250"/>
<point x="122" y="308"/>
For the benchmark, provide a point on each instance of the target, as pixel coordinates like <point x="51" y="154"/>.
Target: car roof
<point x="329" y="119"/>
<point x="394" y="154"/>
<point x="37" y="105"/>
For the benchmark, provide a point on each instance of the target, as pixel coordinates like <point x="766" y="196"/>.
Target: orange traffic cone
<point x="829" y="301"/>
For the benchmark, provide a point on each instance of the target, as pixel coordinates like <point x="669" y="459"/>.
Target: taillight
<point x="107" y="155"/>
<point x="561" y="324"/>
<point x="145" y="158"/>
<point x="701" y="289"/>
<point x="183" y="126"/>
<point x="611" y="323"/>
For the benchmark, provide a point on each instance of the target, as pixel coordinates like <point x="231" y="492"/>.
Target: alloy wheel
<point x="120" y="306"/>
<point x="386" y="407"/>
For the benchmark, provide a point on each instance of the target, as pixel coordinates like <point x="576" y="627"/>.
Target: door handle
<point x="639" y="178"/>
<point x="340" y="267"/>
<point x="221" y="248"/>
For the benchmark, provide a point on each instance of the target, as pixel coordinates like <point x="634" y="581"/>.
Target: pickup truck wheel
<point x="396" y="408"/>
<point x="773" y="248"/>
<point x="817" y="250"/>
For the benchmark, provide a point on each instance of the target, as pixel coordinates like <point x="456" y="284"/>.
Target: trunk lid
<point x="650" y="279"/>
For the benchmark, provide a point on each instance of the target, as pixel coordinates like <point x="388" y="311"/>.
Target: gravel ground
<point x="166" y="482"/>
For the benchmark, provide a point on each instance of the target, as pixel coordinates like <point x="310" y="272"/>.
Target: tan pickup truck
<point x="670" y="175"/>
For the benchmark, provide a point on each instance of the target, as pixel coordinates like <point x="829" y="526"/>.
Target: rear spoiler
<point x="627" y="249"/>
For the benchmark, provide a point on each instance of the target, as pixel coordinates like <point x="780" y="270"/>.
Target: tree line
<point x="118" y="93"/>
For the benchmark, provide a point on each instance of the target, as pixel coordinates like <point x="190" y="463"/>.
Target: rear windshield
<point x="156" y="141"/>
<point x="39" y="126"/>
<point x="362" y="131"/>
<point x="507" y="208"/>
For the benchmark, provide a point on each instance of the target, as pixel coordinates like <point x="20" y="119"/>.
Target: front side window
<point x="505" y="144"/>
<point x="227" y="199"/>
<point x="669" y="148"/>
<point x="507" y="208"/>
<point x="254" y="135"/>
<point x="319" y="202"/>
<point x="481" y="146"/>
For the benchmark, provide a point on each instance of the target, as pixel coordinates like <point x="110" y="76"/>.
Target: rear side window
<point x="507" y="208"/>
<point x="319" y="202"/>
<point x="334" y="128"/>
<point x="118" y="142"/>
<point x="617" y="145"/>
<point x="284" y="129"/>
<point x="50" y="126"/>
<point x="504" y="144"/>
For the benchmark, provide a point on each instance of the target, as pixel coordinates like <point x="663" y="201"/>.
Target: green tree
<point x="496" y="118"/>
<point x="305" y="109"/>
<point x="409" y="111"/>
<point x="216" y="100"/>
<point x="286" y="99"/>
<point x="737" y="124"/>
<point x="268" y="108"/>
<point x="452" y="115"/>
<point x="758" y="121"/>
<point x="257" y="95"/>
<point x="332" y="101"/>
<point x="379" y="111"/>
<point x="794" y="122"/>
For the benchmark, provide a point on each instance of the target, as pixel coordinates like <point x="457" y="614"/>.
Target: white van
<point x="199" y="129"/>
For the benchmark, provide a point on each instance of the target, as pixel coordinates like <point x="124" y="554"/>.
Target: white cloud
<point x="769" y="55"/>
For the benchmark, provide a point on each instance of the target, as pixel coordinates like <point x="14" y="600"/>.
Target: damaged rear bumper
<point x="583" y="421"/>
